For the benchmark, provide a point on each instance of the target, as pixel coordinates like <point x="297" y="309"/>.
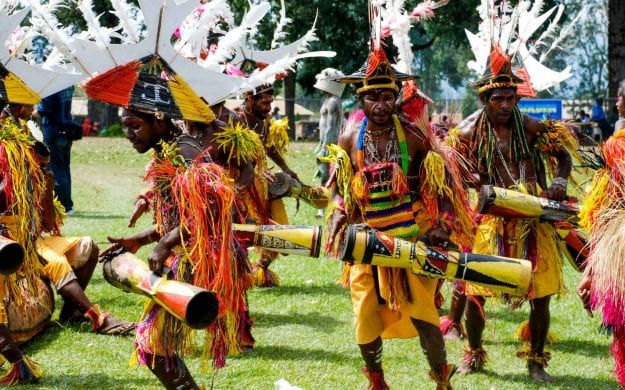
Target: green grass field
<point x="303" y="328"/>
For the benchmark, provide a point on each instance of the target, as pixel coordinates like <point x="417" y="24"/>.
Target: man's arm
<point x="279" y="160"/>
<point x="135" y="241"/>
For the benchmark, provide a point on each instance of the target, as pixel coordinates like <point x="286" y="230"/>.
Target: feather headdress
<point x="21" y="81"/>
<point x="234" y="50"/>
<point x="390" y="19"/>
<point x="500" y="46"/>
<point x="151" y="65"/>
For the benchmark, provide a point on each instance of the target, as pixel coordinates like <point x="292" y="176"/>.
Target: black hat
<point x="376" y="73"/>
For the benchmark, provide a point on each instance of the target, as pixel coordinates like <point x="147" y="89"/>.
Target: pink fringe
<point x="618" y="351"/>
<point x="446" y="325"/>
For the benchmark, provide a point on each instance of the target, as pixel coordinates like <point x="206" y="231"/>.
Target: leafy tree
<point x="616" y="45"/>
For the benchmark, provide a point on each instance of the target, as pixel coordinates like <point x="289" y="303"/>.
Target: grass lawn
<point x="303" y="328"/>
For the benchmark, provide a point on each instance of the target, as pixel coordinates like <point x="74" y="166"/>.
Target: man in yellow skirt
<point x="507" y="150"/>
<point x="389" y="173"/>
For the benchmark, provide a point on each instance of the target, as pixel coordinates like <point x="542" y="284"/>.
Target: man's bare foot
<point x="466" y="369"/>
<point x="453" y="334"/>
<point x="473" y="360"/>
<point x="538" y="373"/>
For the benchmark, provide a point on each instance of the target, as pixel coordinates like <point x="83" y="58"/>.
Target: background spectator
<point x="59" y="131"/>
<point x="598" y="116"/>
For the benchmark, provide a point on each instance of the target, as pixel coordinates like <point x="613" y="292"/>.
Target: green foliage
<point x="114" y="130"/>
<point x="469" y="104"/>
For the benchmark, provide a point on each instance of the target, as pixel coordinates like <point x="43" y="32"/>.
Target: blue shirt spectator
<point x="58" y="126"/>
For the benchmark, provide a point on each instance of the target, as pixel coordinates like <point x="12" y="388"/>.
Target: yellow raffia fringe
<point x="18" y="92"/>
<point x="278" y="136"/>
<point x="27" y="183"/>
<point x="179" y="337"/>
<point x="596" y="198"/>
<point x="191" y="106"/>
<point x="523" y="330"/>
<point x="453" y="137"/>
<point x="360" y="187"/>
<point x="238" y="141"/>
<point x="344" y="173"/>
<point x="434" y="167"/>
<point x="557" y="136"/>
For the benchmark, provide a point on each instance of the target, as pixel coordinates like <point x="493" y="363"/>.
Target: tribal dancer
<point x="603" y="214"/>
<point x="256" y="115"/>
<point x="28" y="212"/>
<point x="193" y="197"/>
<point x="390" y="173"/>
<point x="192" y="202"/>
<point x="512" y="150"/>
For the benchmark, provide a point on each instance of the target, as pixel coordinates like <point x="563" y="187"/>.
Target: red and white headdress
<point x="503" y="54"/>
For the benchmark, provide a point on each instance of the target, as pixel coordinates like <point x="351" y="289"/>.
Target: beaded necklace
<point x="401" y="138"/>
<point x="387" y="207"/>
<point x="485" y="142"/>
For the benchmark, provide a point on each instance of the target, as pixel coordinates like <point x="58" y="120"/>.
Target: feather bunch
<point x="269" y="74"/>
<point x="279" y="34"/>
<point x="45" y="22"/>
<point x="508" y="31"/>
<point x="203" y="21"/>
<point x="95" y="31"/>
<point x="237" y="37"/>
<point x="130" y="23"/>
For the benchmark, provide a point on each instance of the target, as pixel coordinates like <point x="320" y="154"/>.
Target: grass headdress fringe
<point x="442" y="176"/>
<point x="344" y="176"/>
<point x="278" y="136"/>
<point x="606" y="264"/>
<point x="24" y="190"/>
<point x="557" y="136"/>
<point x="344" y="173"/>
<point x="204" y="195"/>
<point x="239" y="142"/>
<point x="191" y="106"/>
<point x="23" y="371"/>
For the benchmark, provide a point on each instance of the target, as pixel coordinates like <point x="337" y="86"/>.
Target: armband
<point x="559" y="181"/>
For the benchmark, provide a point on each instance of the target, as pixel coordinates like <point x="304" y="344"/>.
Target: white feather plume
<point x="565" y="32"/>
<point x="549" y="32"/>
<point x="279" y="34"/>
<point x="197" y="26"/>
<point x="101" y="35"/>
<point x="512" y="29"/>
<point x="268" y="74"/>
<point x="236" y="38"/>
<point x="542" y="77"/>
<point x="129" y="20"/>
<point x="425" y="10"/>
<point x="43" y="19"/>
